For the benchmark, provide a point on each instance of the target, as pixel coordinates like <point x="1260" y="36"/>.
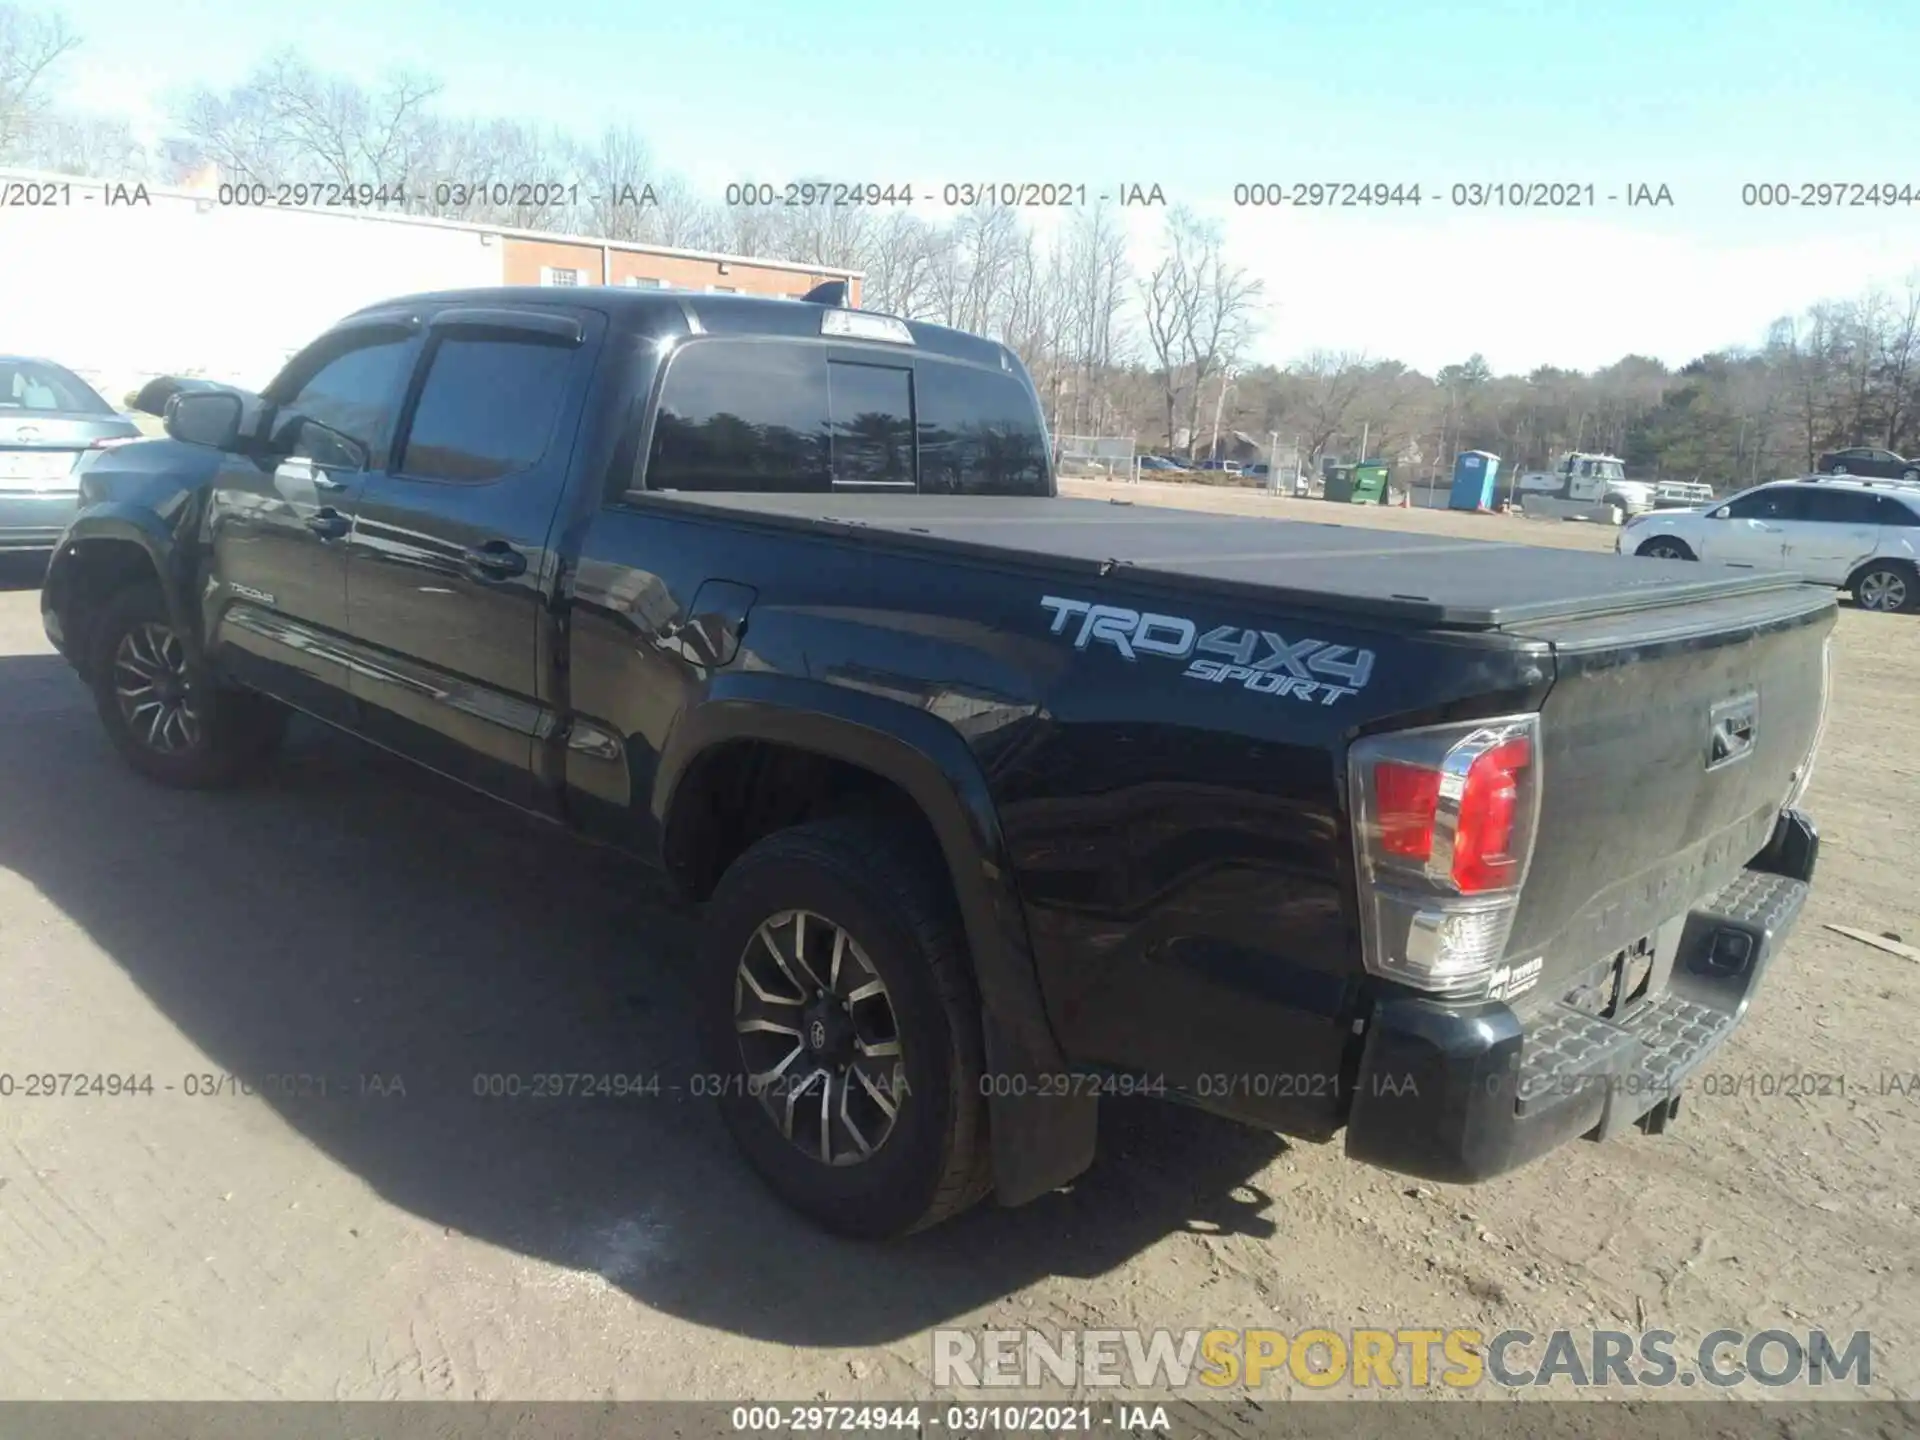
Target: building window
<point x="722" y="290"/>
<point x="550" y="276"/>
<point x="644" y="282"/>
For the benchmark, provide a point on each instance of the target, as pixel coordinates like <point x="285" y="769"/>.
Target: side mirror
<point x="205" y="417"/>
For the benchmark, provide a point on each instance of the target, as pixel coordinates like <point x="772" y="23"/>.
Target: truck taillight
<point x="1483" y="857"/>
<point x="1408" y="797"/>
<point x="1444" y="822"/>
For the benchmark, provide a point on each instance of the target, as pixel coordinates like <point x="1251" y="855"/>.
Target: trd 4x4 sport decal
<point x="1256" y="660"/>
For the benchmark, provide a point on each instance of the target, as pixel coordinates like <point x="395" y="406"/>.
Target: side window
<point x="1838" y="507"/>
<point x="872" y="412"/>
<point x="1889" y="511"/>
<point x="742" y="415"/>
<point x="354" y="390"/>
<point x="487" y="408"/>
<point x="980" y="433"/>
<point x="1776" y="502"/>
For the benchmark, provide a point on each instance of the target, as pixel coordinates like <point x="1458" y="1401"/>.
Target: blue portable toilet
<point x="1473" y="472"/>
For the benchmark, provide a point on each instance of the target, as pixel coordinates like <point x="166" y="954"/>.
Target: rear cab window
<point x="785" y="415"/>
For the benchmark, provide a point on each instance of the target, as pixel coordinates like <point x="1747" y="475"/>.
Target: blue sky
<point x="1203" y="94"/>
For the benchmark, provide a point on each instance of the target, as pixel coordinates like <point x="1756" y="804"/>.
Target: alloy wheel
<point x="818" y="1037"/>
<point x="1882" y="590"/>
<point x="154" y="690"/>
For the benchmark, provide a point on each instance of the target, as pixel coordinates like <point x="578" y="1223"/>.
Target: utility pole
<point x="1227" y="377"/>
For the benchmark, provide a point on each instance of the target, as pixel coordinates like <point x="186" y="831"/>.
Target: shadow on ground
<point x="350" y="916"/>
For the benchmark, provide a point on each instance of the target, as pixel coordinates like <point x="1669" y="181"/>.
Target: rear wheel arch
<point x="1905" y="569"/>
<point x="859" y="752"/>
<point x="835" y="750"/>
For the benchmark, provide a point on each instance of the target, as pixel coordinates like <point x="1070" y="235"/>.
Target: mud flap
<point x="1040" y="1141"/>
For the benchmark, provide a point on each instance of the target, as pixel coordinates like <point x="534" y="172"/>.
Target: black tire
<point x="893" y="902"/>
<point x="224" y="735"/>
<point x="1886" y="587"/>
<point x="1665" y="547"/>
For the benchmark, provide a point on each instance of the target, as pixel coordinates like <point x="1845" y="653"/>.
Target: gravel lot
<point x="349" y="918"/>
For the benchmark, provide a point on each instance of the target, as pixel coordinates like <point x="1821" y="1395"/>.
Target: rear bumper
<point x="35" y="522"/>
<point x="1463" y="1095"/>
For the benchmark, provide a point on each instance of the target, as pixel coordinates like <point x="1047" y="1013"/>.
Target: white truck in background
<point x="1584" y="487"/>
<point x="1681" y="494"/>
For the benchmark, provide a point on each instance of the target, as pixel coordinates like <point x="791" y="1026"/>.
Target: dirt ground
<point x="349" y="918"/>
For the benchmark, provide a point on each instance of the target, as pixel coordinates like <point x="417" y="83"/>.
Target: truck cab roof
<point x="661" y="312"/>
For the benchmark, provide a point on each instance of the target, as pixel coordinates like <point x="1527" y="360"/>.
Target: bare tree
<point x="617" y="178"/>
<point x="682" y="219"/>
<point x="1896" y="361"/>
<point x="237" y="132"/>
<point x="1223" y="319"/>
<point x="287" y="123"/>
<point x="1200" y="313"/>
<point x="828" y="235"/>
<point x="1333" y="383"/>
<point x="1169" y="299"/>
<point x="1091" y="278"/>
<point x="101" y="145"/>
<point x="899" y="266"/>
<point x="31" y="45"/>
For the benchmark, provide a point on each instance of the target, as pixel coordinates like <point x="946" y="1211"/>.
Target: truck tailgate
<point x="1670" y="740"/>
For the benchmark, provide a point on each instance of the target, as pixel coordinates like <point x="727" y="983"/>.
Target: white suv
<point x="1856" y="535"/>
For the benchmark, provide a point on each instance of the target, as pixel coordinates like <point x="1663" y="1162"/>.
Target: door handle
<point x="496" y="560"/>
<point x="323" y="481"/>
<point x="329" y="524"/>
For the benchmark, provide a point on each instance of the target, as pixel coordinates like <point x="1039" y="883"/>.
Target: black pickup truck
<point x="998" y="802"/>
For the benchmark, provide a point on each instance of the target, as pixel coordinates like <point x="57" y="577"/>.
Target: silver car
<point x="49" y="419"/>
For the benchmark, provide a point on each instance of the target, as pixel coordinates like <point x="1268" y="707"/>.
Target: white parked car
<point x="1855" y="535"/>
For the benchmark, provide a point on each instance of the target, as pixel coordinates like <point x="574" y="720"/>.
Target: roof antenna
<point x="833" y="292"/>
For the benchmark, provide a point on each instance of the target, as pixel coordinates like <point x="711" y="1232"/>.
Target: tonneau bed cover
<point x="1426" y="580"/>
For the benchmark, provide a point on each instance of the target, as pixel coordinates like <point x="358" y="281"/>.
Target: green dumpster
<point x="1356" y="484"/>
<point x="1369" y="485"/>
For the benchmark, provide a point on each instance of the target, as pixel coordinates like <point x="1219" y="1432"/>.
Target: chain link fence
<point x="1096" y="457"/>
